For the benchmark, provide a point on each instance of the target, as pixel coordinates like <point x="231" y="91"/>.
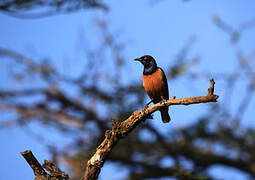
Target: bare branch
<point x="34" y="164"/>
<point x="120" y="130"/>
<point x="40" y="173"/>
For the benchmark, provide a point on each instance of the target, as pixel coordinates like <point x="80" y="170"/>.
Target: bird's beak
<point x="137" y="59"/>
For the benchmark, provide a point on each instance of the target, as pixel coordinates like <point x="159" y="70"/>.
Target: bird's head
<point x="149" y="64"/>
<point x="147" y="60"/>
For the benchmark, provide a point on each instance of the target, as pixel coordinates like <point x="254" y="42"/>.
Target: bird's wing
<point x="164" y="85"/>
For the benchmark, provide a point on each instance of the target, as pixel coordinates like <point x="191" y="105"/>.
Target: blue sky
<point x="160" y="30"/>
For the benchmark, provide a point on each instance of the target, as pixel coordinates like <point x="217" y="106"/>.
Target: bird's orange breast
<point x="154" y="85"/>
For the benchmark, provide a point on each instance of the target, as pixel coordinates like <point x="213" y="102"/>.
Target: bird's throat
<point x="149" y="69"/>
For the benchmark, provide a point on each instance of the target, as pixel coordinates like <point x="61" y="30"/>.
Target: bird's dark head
<point x="149" y="63"/>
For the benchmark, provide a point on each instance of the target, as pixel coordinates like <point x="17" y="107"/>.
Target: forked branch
<point x="39" y="170"/>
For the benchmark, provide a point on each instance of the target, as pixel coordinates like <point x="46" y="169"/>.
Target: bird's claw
<point x="147" y="105"/>
<point x="163" y="101"/>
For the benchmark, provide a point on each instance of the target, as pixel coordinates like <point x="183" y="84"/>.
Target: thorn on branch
<point x="174" y="97"/>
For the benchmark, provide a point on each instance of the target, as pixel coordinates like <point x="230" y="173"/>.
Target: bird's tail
<point x="164" y="115"/>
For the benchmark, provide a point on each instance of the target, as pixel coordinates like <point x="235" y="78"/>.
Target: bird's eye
<point x="145" y="58"/>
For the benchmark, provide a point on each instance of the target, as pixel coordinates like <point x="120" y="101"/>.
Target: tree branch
<point x="34" y="164"/>
<point x="40" y="173"/>
<point x="120" y="130"/>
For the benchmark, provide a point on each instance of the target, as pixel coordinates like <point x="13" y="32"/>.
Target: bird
<point x="155" y="84"/>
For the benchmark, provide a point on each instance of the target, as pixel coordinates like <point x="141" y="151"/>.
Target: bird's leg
<point x="147" y="105"/>
<point x="150" y="116"/>
<point x="163" y="101"/>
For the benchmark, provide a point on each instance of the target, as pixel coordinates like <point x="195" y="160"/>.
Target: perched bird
<point x="155" y="84"/>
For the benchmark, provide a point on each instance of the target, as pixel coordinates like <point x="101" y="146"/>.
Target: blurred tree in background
<point x="82" y="106"/>
<point x="44" y="8"/>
